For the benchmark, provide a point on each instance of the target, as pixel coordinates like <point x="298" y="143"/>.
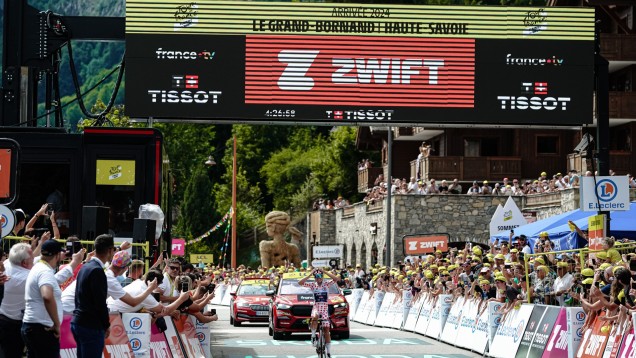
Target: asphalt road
<point x="251" y="340"/>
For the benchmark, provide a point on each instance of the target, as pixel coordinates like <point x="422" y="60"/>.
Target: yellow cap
<point x="540" y="260"/>
<point x="477" y="250"/>
<point x="587" y="272"/>
<point x="562" y="264"/>
<point x="500" y="257"/>
<point x="484" y="282"/>
<point x="514" y="251"/>
<point x="428" y="274"/>
<point x="443" y="273"/>
<point x="588" y="281"/>
<point x="543" y="234"/>
<point x="616" y="268"/>
<point x="601" y="255"/>
<point x="433" y="267"/>
<point x="604" y="266"/>
<point x="500" y="278"/>
<point x="485" y="181"/>
<point x="544" y="268"/>
<point x="543" y="174"/>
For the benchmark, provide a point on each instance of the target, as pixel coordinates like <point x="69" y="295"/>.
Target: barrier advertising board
<point x="576" y="318"/>
<point x="361" y="310"/>
<point x="594" y="341"/>
<point x="451" y="328"/>
<point x="138" y="330"/>
<point x="424" y="244"/>
<point x="544" y="330"/>
<point x="381" y="319"/>
<point x="425" y="315"/>
<point x="439" y="314"/>
<point x="510" y="332"/>
<point x="321" y="62"/>
<point x="414" y="312"/>
<point x="557" y="346"/>
<point x="531" y="329"/>
<point x="354" y="300"/>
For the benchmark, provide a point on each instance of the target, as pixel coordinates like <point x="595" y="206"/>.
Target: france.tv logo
<point x="606" y="190"/>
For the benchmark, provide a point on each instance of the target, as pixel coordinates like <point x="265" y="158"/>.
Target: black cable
<point x="69" y="102"/>
<point x="100" y="116"/>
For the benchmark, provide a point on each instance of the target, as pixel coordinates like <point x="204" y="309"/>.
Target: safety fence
<point x="144" y="247"/>
<point x="222" y="294"/>
<point x="526" y="331"/>
<point x="135" y="335"/>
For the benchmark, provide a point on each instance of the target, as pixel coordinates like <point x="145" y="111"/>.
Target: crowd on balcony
<point x="506" y="187"/>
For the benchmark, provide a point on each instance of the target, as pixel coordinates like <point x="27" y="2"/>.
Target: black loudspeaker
<point x="94" y="222"/>
<point x="144" y="231"/>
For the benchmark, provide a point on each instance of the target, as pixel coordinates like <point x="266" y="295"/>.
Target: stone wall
<point x="463" y="217"/>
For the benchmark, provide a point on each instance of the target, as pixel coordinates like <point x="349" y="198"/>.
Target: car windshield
<point x="291" y="287"/>
<point x="252" y="290"/>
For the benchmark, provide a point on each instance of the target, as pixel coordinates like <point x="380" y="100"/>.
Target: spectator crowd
<point x="43" y="280"/>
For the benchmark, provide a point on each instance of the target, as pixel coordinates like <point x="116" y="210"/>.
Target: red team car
<point x="291" y="304"/>
<point x="249" y="303"/>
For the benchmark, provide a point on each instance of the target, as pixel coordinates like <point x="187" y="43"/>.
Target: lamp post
<point x="211" y="162"/>
<point x="234" y="204"/>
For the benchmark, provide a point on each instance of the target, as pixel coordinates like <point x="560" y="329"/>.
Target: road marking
<point x="346" y="342"/>
<point x="362" y="356"/>
<point x="247" y="330"/>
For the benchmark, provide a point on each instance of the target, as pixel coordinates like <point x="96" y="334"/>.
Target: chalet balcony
<point x="467" y="168"/>
<point x="366" y="178"/>
<point x="622" y="104"/>
<point x="620" y="162"/>
<point x="618" y="47"/>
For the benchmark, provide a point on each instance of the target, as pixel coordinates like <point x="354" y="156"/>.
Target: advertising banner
<point x="479" y="331"/>
<point x="381" y="319"/>
<point x="226" y="295"/>
<point x="358" y="317"/>
<point x="544" y="330"/>
<point x="594" y="340"/>
<point x="172" y="338"/>
<point x="627" y="349"/>
<point x="596" y="232"/>
<point x="159" y="345"/>
<point x="494" y="320"/>
<point x="508" y="218"/>
<point x="378" y="297"/>
<point x="439" y="316"/>
<point x="396" y="312"/>
<point x="425" y="244"/>
<point x="414" y="312"/>
<point x="425" y="315"/>
<point x="354" y="301"/>
<point x="115" y="172"/>
<point x="203" y="335"/>
<point x="327" y="252"/>
<point x="369" y="310"/>
<point x="117" y="343"/>
<point x="558" y="343"/>
<point x="605" y="193"/>
<point x="576" y="318"/>
<point x="188" y="336"/>
<point x="219" y="293"/>
<point x="451" y="327"/>
<point x="358" y="63"/>
<point x="529" y="333"/>
<point x="68" y="346"/>
<point x="407" y="303"/>
<point x="510" y="332"/>
<point x="138" y="330"/>
<point x="178" y="247"/>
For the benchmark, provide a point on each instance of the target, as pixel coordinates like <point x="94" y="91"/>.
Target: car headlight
<point x="340" y="305"/>
<point x="243" y="304"/>
<point x="282" y="306"/>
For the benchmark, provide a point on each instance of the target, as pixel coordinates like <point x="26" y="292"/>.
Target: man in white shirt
<point x="17" y="267"/>
<point x="563" y="282"/>
<point x="150" y="303"/>
<point x="121" y="261"/>
<point x="43" y="309"/>
<point x="168" y="288"/>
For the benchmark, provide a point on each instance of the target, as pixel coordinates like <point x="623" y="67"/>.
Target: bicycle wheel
<point x="323" y="348"/>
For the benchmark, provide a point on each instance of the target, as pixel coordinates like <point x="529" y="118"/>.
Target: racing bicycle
<point x="321" y="349"/>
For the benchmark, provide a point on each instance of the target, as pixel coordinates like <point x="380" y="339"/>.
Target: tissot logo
<point x="182" y="92"/>
<point x="534" y="61"/>
<point x="183" y="55"/>
<point x="361" y="115"/>
<point x="533" y="97"/>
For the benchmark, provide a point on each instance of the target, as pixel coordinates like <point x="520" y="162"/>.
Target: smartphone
<point x="70" y="248"/>
<point x="633" y="285"/>
<point x="512" y="232"/>
<point x="632" y="265"/>
<point x="212" y="311"/>
<point x="184" y="287"/>
<point x="165" y="254"/>
<point x="156" y="296"/>
<point x="49" y="209"/>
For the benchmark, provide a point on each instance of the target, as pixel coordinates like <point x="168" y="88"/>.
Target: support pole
<point x="234" y="248"/>
<point x="389" y="182"/>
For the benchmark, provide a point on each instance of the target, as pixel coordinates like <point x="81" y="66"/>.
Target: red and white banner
<point x="357" y="70"/>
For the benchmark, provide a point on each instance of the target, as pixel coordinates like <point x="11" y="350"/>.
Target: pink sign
<point x="557" y="346"/>
<point x="158" y="344"/>
<point x="628" y="349"/>
<point x="178" y="247"/>
<point x="68" y="346"/>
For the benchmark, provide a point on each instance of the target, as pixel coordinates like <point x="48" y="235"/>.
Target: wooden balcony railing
<point x="618" y="47"/>
<point x="366" y="177"/>
<point x="467" y="168"/>
<point x="620" y="162"/>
